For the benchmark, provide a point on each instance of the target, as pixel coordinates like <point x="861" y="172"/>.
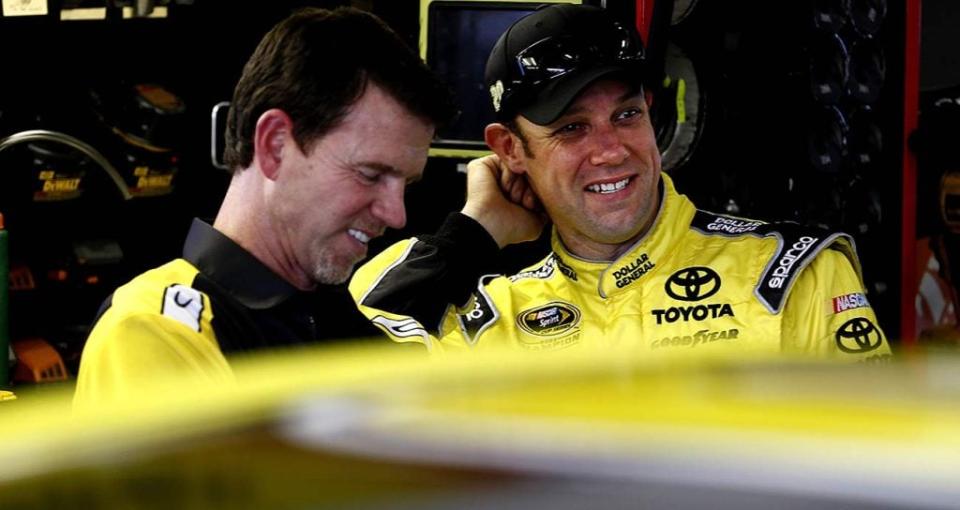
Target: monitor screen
<point x="459" y="38"/>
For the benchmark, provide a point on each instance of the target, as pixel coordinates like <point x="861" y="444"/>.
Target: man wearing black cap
<point x="634" y="263"/>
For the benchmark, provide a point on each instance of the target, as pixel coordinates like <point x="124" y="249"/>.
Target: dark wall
<point x="783" y="132"/>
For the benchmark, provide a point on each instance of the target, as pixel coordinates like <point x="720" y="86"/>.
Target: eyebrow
<point x="389" y="169"/>
<point x="630" y="94"/>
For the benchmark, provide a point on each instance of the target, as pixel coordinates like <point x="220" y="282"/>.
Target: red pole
<point x="908" y="239"/>
<point x="644" y="19"/>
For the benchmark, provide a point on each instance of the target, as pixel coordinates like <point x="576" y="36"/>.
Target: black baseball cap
<point x="546" y="59"/>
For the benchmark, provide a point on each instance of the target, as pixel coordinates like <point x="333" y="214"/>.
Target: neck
<point x="598" y="251"/>
<point x="245" y="218"/>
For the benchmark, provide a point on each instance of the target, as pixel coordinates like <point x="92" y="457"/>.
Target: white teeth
<point x="359" y="236"/>
<point x="608" y="187"/>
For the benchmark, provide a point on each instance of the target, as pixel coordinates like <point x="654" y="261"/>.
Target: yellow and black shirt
<point x="189" y="315"/>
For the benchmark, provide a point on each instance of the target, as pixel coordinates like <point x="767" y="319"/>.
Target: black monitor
<point x="455" y="38"/>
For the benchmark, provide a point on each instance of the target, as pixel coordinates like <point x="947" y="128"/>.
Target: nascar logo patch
<point x="550" y="319"/>
<point x="849" y="302"/>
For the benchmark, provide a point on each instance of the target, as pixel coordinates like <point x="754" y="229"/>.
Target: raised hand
<point x="502" y="201"/>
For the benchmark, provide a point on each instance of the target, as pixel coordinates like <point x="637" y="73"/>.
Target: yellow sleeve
<point x="130" y="356"/>
<point x="827" y="314"/>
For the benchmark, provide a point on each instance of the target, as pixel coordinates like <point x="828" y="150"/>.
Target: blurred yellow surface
<point x="372" y="427"/>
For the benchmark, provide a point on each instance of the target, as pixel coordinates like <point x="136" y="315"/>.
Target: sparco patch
<point x="549" y="320"/>
<point x="626" y="275"/>
<point x="858" y="335"/>
<point x="796" y="248"/>
<point x="849" y="302"/>
<point x="783" y="268"/>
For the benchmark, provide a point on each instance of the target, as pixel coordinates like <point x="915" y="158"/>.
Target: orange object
<point x="37" y="361"/>
<point x="21" y="278"/>
<point x="58" y="275"/>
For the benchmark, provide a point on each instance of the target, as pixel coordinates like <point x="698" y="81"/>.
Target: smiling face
<point x="595" y="169"/>
<point x="348" y="187"/>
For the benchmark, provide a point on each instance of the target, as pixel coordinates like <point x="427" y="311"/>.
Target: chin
<point x="329" y="272"/>
<point x="618" y="233"/>
<point x="326" y="276"/>
<point x="332" y="267"/>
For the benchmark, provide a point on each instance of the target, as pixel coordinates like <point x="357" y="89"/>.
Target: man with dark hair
<point x="331" y="119"/>
<point x="634" y="264"/>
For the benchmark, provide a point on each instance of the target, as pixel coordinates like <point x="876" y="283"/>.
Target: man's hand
<point x="503" y="202"/>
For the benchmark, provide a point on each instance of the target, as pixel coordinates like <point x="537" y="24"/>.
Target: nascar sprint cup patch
<point x="549" y="320"/>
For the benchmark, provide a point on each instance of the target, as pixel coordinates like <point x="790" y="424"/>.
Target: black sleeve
<point x="438" y="270"/>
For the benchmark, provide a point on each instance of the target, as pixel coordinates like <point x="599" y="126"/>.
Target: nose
<point x="389" y="208"/>
<point x="609" y="149"/>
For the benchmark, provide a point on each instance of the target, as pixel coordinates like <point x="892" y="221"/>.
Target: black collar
<point x="233" y="268"/>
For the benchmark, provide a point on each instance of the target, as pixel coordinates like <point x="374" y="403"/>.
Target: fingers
<point x="513" y="186"/>
<point x="530" y="200"/>
<point x="516" y="187"/>
<point x="483" y="164"/>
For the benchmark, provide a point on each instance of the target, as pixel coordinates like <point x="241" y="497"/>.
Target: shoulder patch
<point x="183" y="304"/>
<point x="731" y="226"/>
<point x="858" y="335"/>
<point x="797" y="246"/>
<point x="850" y="301"/>
<point x="541" y="272"/>
<point x="483" y="314"/>
<point x="551" y="263"/>
<point x="403" y="328"/>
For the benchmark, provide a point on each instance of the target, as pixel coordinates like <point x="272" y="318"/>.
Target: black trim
<point x="234" y="269"/>
<point x="799" y="245"/>
<point x="107" y="303"/>
<point x="474" y="321"/>
<point x="233" y="325"/>
<point x="439" y="270"/>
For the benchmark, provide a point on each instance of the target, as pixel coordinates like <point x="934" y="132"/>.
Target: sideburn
<point x="515" y="129"/>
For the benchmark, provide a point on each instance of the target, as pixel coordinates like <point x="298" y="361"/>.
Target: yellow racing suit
<point x="696" y="283"/>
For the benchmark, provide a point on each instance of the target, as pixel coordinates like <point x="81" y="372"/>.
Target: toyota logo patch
<point x="693" y="284"/>
<point x="858" y="335"/>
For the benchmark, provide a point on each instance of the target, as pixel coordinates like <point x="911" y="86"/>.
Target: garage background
<point x="799" y="113"/>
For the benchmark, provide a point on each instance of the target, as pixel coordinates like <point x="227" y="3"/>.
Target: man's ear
<point x="507" y="146"/>
<point x="274" y="130"/>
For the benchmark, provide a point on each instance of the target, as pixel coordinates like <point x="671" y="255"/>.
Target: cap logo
<point x="496" y="93"/>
